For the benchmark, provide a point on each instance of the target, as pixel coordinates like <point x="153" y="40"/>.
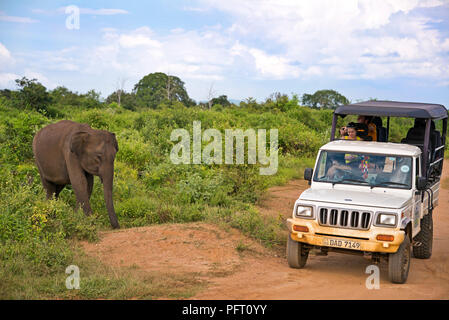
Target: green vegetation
<point x="38" y="238"/>
<point x="155" y="88"/>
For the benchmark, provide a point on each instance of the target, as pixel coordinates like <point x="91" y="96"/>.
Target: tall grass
<point x="38" y="237"/>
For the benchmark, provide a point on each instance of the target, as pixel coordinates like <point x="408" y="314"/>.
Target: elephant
<point x="69" y="152"/>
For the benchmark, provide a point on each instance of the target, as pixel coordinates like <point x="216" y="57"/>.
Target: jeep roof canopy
<point x="394" y="109"/>
<point x="427" y="111"/>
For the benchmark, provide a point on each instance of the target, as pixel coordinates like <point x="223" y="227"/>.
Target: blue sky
<point x="384" y="49"/>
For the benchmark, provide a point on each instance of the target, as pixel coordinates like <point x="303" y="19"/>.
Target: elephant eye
<point x="98" y="157"/>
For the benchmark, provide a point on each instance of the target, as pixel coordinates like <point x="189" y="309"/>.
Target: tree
<point x="210" y="95"/>
<point x="324" y="99"/>
<point x="157" y="87"/>
<point x="127" y="99"/>
<point x="6" y="93"/>
<point x="91" y="99"/>
<point x="32" y="94"/>
<point x="120" y="85"/>
<point x="249" y="102"/>
<point x="63" y="96"/>
<point x="221" y="100"/>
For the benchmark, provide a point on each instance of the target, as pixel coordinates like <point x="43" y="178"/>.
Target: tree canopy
<point x="324" y="99"/>
<point x="127" y="99"/>
<point x="157" y="87"/>
<point x="32" y="94"/>
<point x="221" y="100"/>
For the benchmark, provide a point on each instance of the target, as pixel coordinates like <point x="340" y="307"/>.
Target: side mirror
<point x="421" y="183"/>
<point x="308" y="173"/>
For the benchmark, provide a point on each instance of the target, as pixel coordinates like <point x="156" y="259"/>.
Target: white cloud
<point x="195" y="9"/>
<point x="331" y="39"/>
<point x="7" y="80"/>
<point x="102" y="12"/>
<point x="31" y="74"/>
<point x="345" y="39"/>
<point x="4" y="53"/>
<point x="142" y="37"/>
<point x="273" y="66"/>
<point x="6" y="59"/>
<point x="445" y="45"/>
<point x="266" y="66"/>
<point x="194" y="56"/>
<point x="87" y="11"/>
<point x="5" y="17"/>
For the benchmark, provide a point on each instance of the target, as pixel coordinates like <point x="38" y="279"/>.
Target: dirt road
<point x="236" y="267"/>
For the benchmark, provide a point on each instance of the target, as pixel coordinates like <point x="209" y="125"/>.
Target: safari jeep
<point x="373" y="198"/>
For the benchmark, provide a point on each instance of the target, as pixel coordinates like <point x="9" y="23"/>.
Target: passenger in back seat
<point x="416" y="133"/>
<point x="415" y="136"/>
<point x="371" y="127"/>
<point x="381" y="130"/>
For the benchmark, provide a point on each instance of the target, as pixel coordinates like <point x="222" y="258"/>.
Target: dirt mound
<point x="206" y="249"/>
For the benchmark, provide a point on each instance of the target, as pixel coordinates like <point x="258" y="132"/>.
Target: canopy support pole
<point x="334" y="125"/>
<point x="425" y="158"/>
<point x="388" y="128"/>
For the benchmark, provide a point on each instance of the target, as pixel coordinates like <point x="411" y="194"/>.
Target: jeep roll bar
<point x="427" y="112"/>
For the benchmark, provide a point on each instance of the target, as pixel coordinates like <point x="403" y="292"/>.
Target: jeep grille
<point x="343" y="218"/>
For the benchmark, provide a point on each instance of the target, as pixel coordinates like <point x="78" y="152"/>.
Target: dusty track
<point x="236" y="267"/>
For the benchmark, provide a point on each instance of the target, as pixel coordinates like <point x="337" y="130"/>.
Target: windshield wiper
<point x="386" y="183"/>
<point x="350" y="180"/>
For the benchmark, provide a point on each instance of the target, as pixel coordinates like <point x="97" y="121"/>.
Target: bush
<point x="32" y="95"/>
<point x="97" y="119"/>
<point x="16" y="135"/>
<point x="134" y="151"/>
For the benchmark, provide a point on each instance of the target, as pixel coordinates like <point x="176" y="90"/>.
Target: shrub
<point x="134" y="151"/>
<point x="97" y="119"/>
<point x="16" y="135"/>
<point x="31" y="95"/>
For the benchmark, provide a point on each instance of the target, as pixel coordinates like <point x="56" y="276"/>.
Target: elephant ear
<point x="114" y="141"/>
<point x="78" y="141"/>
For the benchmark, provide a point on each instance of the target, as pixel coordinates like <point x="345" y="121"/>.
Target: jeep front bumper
<point x="318" y="235"/>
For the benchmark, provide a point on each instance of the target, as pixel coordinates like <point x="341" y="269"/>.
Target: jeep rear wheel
<point x="399" y="262"/>
<point x="297" y="254"/>
<point x="422" y="243"/>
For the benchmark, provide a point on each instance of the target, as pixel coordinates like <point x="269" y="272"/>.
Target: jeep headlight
<point x="386" y="219"/>
<point x="304" y="211"/>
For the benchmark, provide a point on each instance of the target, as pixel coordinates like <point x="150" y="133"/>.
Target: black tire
<point x="399" y="262"/>
<point x="424" y="239"/>
<point x="297" y="254"/>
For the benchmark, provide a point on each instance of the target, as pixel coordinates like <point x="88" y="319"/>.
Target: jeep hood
<point x="351" y="197"/>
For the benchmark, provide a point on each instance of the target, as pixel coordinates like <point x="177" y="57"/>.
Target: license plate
<point x="340" y="243"/>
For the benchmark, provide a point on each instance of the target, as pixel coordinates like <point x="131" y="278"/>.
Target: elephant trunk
<point x="107" y="188"/>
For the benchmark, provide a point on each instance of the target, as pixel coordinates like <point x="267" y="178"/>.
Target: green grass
<point x="20" y="280"/>
<point x="37" y="236"/>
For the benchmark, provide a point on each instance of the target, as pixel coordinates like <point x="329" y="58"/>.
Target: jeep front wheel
<point x="297" y="254"/>
<point x="399" y="262"/>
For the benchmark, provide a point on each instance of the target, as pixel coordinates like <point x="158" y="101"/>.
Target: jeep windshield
<point x="364" y="169"/>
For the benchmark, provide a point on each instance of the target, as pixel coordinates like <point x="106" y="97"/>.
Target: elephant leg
<point x="90" y="184"/>
<point x="49" y="187"/>
<point x="59" y="188"/>
<point x="80" y="187"/>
